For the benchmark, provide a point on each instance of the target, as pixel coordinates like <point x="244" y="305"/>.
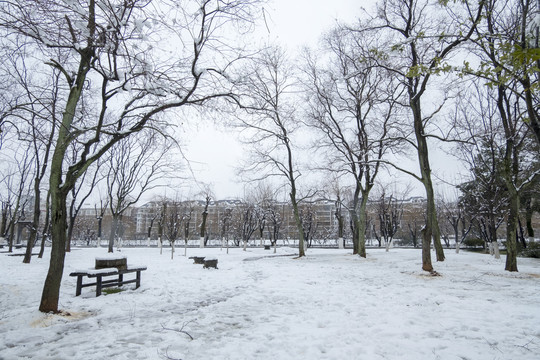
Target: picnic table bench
<point x="197" y="259"/>
<point x="100" y="274"/>
<point x="210" y="263"/>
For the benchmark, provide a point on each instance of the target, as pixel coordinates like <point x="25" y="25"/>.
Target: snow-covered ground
<point x="328" y="305"/>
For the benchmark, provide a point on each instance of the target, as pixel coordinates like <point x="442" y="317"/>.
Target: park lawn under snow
<point x="328" y="305"/>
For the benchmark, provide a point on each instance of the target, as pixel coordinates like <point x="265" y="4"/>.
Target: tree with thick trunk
<point x="269" y="119"/>
<point x="107" y="55"/>
<point x="203" y="234"/>
<point x="503" y="45"/>
<point x="352" y="104"/>
<point x="418" y="36"/>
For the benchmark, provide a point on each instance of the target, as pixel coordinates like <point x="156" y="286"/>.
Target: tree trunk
<point x="511" y="230"/>
<point x="355" y="230"/>
<point x="496" y="252"/>
<point x="361" y="226"/>
<point x="172" y="250"/>
<point x="426" y="250"/>
<point x="389" y="244"/>
<point x="11" y="226"/>
<point x="46" y="225"/>
<point x="51" y="289"/>
<point x="71" y="225"/>
<point x="432" y="225"/>
<point x="298" y="221"/>
<point x="100" y="222"/>
<point x="35" y="222"/>
<point x="203" y="226"/>
<point x="112" y="236"/>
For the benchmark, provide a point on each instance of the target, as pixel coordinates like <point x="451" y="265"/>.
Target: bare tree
<point x="35" y="114"/>
<point x="110" y="59"/>
<point x="309" y="223"/>
<point x="100" y="213"/>
<point x="250" y="222"/>
<point x="208" y="197"/>
<point x="499" y="166"/>
<point x="187" y="213"/>
<point x="389" y="212"/>
<point x="82" y="190"/>
<point x="271" y="123"/>
<point x="453" y="220"/>
<point x="134" y="167"/>
<point x="352" y="106"/>
<point x="173" y="218"/>
<point x="508" y="69"/>
<point x="17" y="191"/>
<point x="275" y="221"/>
<point x="225" y="224"/>
<point x="414" y="46"/>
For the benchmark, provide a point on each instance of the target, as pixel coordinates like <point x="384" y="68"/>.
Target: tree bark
<point x="431" y="230"/>
<point x="51" y="289"/>
<point x="46" y="225"/>
<point x="361" y="226"/>
<point x="35" y="223"/>
<point x="528" y="220"/>
<point x="426" y="250"/>
<point x="59" y="187"/>
<point x="298" y="221"/>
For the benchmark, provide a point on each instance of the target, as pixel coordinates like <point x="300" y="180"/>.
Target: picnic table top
<point x="105" y="271"/>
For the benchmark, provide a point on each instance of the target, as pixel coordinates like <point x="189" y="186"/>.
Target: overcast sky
<point x="294" y="23"/>
<point x="214" y="154"/>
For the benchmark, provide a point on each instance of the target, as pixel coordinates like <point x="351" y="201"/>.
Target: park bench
<point x="210" y="263"/>
<point x="101" y="276"/>
<point x="197" y="259"/>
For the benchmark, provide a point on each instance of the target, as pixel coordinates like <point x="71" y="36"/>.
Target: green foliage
<point x="513" y="63"/>
<point x="532" y="250"/>
<point x="438" y="68"/>
<point x="108" y="291"/>
<point x="473" y="242"/>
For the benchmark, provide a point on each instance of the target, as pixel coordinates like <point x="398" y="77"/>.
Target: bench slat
<point x="99" y="274"/>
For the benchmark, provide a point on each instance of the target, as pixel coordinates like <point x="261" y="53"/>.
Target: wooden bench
<point x="100" y="274"/>
<point x="210" y="263"/>
<point x="197" y="259"/>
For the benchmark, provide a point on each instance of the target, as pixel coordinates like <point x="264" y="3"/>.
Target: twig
<point x="166" y="355"/>
<point x="526" y="346"/>
<point x="476" y="279"/>
<point x="493" y="346"/>
<point x="181" y="329"/>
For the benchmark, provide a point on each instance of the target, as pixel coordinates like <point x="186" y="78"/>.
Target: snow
<point x="328" y="305"/>
<point x="109" y="256"/>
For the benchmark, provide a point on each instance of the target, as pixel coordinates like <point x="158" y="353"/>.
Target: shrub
<point x="532" y="250"/>
<point x="473" y="242"/>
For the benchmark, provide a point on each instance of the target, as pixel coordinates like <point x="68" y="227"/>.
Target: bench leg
<point x="138" y="282"/>
<point x="98" y="285"/>
<point x="79" y="285"/>
<point x="120" y="279"/>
